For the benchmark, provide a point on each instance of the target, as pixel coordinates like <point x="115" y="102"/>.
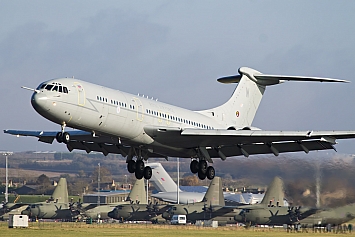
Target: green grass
<point x="81" y="229"/>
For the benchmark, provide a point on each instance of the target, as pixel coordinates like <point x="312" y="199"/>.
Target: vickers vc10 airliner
<point x="112" y="121"/>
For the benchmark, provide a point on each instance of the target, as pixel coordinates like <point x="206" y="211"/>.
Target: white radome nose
<point x="39" y="102"/>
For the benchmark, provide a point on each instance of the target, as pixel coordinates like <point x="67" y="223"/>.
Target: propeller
<point x="207" y="209"/>
<point x="294" y="213"/>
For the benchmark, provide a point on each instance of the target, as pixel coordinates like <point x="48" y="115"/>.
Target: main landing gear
<point x="63" y="136"/>
<point x="139" y="170"/>
<point x="202" y="169"/>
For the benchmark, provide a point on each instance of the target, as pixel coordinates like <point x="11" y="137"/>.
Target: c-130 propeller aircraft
<point x="112" y="121"/>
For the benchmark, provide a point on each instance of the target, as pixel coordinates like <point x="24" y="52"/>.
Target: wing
<point x="83" y="140"/>
<point x="224" y="143"/>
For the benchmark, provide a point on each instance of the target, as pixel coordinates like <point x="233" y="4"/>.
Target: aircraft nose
<point x="113" y="214"/>
<point x="166" y="215"/>
<point x="25" y="212"/>
<point x="39" y="102"/>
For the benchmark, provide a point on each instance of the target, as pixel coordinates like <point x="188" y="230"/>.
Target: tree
<point x="190" y="181"/>
<point x="43" y="180"/>
<point x="44" y="183"/>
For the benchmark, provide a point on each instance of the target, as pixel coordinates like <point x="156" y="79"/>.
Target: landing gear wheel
<point x="140" y="166"/>
<point x="202" y="166"/>
<point x="147" y="172"/>
<point x="201" y="175"/>
<point x="194" y="166"/>
<point x="131" y="166"/>
<point x="59" y="137"/>
<point x="138" y="174"/>
<point x="66" y="137"/>
<point x="210" y="173"/>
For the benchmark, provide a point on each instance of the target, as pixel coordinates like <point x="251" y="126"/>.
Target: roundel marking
<point x="118" y="109"/>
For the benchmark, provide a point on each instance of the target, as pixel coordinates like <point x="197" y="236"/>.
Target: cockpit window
<point x="53" y="87"/>
<point x="41" y="86"/>
<point x="49" y="87"/>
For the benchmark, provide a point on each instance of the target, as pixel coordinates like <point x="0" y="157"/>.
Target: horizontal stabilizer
<point x="268" y="80"/>
<point x="282" y="78"/>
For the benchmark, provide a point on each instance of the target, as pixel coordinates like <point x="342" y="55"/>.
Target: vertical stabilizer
<point x="138" y="193"/>
<point x="161" y="179"/>
<point x="60" y="193"/>
<point x="214" y="194"/>
<point x="239" y="111"/>
<point x="274" y="194"/>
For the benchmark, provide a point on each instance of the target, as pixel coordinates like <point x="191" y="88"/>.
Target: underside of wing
<point x="82" y="140"/>
<point x="224" y="143"/>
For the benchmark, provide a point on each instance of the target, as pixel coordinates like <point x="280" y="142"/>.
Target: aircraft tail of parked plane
<point x="161" y="179"/>
<point x="214" y="194"/>
<point x="60" y="193"/>
<point x="138" y="193"/>
<point x="274" y="195"/>
<point x="112" y="121"/>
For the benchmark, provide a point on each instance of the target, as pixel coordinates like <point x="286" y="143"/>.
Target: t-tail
<point x="60" y="193"/>
<point x="239" y="111"/>
<point x="214" y="194"/>
<point x="274" y="195"/>
<point x="138" y="193"/>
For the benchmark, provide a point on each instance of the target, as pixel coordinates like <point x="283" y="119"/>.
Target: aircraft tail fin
<point x="138" y="193"/>
<point x="214" y="194"/>
<point x="60" y="193"/>
<point x="274" y="195"/>
<point x="239" y="111"/>
<point x="161" y="179"/>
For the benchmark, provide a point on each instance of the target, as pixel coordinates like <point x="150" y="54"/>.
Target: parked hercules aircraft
<point x="111" y="121"/>
<point x="57" y="208"/>
<point x="213" y="206"/>
<point x="95" y="211"/>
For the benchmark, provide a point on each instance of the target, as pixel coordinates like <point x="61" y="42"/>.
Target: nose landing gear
<point x="63" y="137"/>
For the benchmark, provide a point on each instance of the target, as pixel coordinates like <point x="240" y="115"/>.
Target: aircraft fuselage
<point x="118" y="115"/>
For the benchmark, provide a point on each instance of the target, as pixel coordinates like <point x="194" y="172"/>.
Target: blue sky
<point x="175" y="51"/>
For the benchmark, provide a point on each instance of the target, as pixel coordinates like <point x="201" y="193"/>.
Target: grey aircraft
<point x="139" y="212"/>
<point x="280" y="215"/>
<point x="272" y="212"/>
<point x="95" y="211"/>
<point x="213" y="207"/>
<point x="56" y="208"/>
<point x="112" y="121"/>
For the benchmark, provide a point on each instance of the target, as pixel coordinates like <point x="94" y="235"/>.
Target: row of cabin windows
<point x="113" y="102"/>
<point x="177" y="119"/>
<point x="159" y="114"/>
<point x="54" y="87"/>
